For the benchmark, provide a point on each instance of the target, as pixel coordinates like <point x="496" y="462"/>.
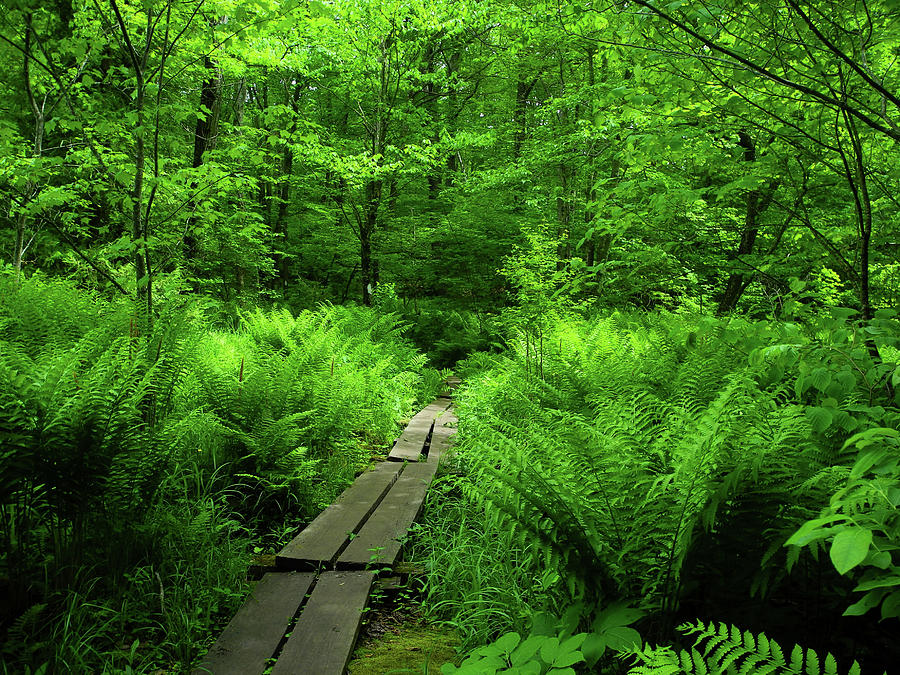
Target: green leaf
<point x="543" y="623"/>
<point x="593" y="648"/>
<point x="819" y="418"/>
<point x="890" y="609"/>
<point x="881" y="581"/>
<point x="811" y="530"/>
<point x="567" y="659"/>
<point x="849" y="548"/>
<point x="526" y="650"/>
<point x="867" y="602"/>
<point x="508" y="642"/>
<point x="550" y="649"/>
<point x="622" y="638"/>
<point x="880" y="559"/>
<point x="820" y="378"/>
<point x="618" y="614"/>
<point x="843" y="313"/>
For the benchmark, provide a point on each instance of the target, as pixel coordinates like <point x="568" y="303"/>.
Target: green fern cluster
<point x="636" y="456"/>
<point x="725" y="649"/>
<point x="161" y="446"/>
<point x="634" y="442"/>
<point x="298" y="404"/>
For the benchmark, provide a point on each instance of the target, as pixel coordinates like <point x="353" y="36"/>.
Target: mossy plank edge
<point x="441" y="440"/>
<point x="253" y="635"/>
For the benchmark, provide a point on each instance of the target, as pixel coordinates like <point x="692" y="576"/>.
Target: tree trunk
<point x="590" y="192"/>
<point x="523" y="91"/>
<point x="206" y="129"/>
<point x="859" y="186"/>
<point x="757" y="202"/>
<point x="144" y="287"/>
<point x="31" y="188"/>
<point x="138" y="231"/>
<point x="453" y="103"/>
<point x="564" y="216"/>
<point x="373" y="189"/>
<point x="280" y="226"/>
<point x="205" y="132"/>
<point x="430" y="104"/>
<point x="367" y="228"/>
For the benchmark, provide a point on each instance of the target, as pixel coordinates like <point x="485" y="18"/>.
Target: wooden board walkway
<point x="305" y="617"/>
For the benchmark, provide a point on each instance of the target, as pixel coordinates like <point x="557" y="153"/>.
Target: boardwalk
<point x="304" y="617"/>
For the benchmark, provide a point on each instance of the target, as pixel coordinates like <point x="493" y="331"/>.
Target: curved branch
<point x="768" y="74"/>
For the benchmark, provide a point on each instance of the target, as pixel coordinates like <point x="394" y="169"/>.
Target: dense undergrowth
<point x="142" y="464"/>
<point x="736" y="471"/>
<point x="442" y="330"/>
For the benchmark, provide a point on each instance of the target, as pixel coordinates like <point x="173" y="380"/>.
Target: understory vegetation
<point x="676" y="467"/>
<point x="143" y="464"/>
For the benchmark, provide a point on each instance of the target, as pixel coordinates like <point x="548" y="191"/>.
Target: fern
<point x="132" y="447"/>
<point x="720" y="648"/>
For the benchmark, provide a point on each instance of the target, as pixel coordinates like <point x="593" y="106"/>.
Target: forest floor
<point x="399" y="640"/>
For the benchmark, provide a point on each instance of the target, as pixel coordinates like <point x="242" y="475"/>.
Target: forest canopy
<point x="675" y="153"/>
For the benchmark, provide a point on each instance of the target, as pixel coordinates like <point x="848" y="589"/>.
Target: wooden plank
<point x="441" y="440"/>
<point x="447" y="418"/>
<point x="255" y="632"/>
<point x="379" y="540"/>
<point x="451" y="383"/>
<point x="323" y="639"/>
<point x="411" y="444"/>
<point x="412" y="441"/>
<point x="321" y="541"/>
<point x="442" y="434"/>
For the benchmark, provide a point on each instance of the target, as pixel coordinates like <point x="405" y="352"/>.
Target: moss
<point x="411" y="647"/>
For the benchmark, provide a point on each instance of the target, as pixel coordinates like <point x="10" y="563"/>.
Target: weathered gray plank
<point x="253" y="635"/>
<point x="321" y="540"/>
<point x="442" y="434"/>
<point x="323" y="639"/>
<point x="441" y="440"/>
<point x="412" y="441"/>
<point x="452" y="383"/>
<point x="379" y="540"/>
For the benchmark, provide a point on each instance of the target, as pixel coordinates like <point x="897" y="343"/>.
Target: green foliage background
<point x="658" y="240"/>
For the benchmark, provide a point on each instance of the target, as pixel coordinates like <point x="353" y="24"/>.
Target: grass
<point x="468" y="586"/>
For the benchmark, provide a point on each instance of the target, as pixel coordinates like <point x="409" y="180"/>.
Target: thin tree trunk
<point x="138" y="235"/>
<point x="373" y="189"/>
<point x="859" y="185"/>
<point x="590" y="192"/>
<point x="564" y="216"/>
<point x="453" y="103"/>
<point x="757" y="203"/>
<point x="367" y="228"/>
<point x="430" y="105"/>
<point x="36" y="152"/>
<point x="205" y="132"/>
<point x="280" y="226"/>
